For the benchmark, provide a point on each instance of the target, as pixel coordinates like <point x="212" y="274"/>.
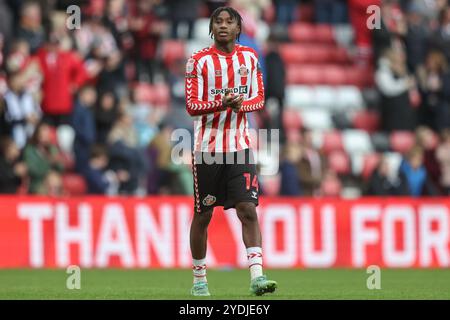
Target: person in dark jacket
<point x="382" y="183"/>
<point x="275" y="83"/>
<point x="290" y="181"/>
<point x="106" y="114"/>
<point x="12" y="169"/>
<point x="83" y="123"/>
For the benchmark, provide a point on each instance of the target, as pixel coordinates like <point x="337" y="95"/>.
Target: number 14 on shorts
<point x="254" y="182"/>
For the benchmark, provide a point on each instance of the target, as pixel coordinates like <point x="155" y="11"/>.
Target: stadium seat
<point x="194" y="45"/>
<point x="371" y="162"/>
<point x="339" y="162"/>
<point x="356" y="76"/>
<point x="356" y="141"/>
<point x="53" y="136"/>
<point x="294" y="53"/>
<point x="321" y="53"/>
<point x="66" y="137"/>
<point x="324" y="96"/>
<point x="380" y="141"/>
<point x="366" y="120"/>
<point x="364" y="164"/>
<point x="324" y="33"/>
<point x="332" y="141"/>
<point x="162" y="94"/>
<point x="172" y="50"/>
<point x="304" y="74"/>
<point x="343" y="34"/>
<point x="74" y="184"/>
<point x="339" y="55"/>
<point x="299" y="97"/>
<point x="301" y="32"/>
<point x="348" y="98"/>
<point x="334" y="75"/>
<point x="292" y="120"/>
<point x="316" y="119"/>
<point x="402" y="141"/>
<point x="201" y="29"/>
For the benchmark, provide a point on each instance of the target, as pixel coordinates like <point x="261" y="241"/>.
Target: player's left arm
<point x="256" y="101"/>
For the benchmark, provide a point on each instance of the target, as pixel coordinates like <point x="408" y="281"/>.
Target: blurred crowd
<point x="69" y="104"/>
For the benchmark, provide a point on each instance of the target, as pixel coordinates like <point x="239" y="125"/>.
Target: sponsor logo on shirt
<point x="236" y="90"/>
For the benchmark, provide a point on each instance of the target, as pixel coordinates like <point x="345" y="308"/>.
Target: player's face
<point x="225" y="28"/>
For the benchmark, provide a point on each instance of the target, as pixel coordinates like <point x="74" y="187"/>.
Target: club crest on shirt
<point x="243" y="71"/>
<point x="190" y="65"/>
<point x="209" y="200"/>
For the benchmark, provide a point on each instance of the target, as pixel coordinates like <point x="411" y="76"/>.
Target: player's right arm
<point x="194" y="105"/>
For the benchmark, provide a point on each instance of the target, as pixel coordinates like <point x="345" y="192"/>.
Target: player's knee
<point x="203" y="218"/>
<point x="246" y="212"/>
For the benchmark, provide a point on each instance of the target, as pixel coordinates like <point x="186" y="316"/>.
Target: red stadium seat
<point x="334" y="75"/>
<point x="332" y="141"/>
<point x="295" y="53"/>
<point x="370" y="163"/>
<point x="172" y="50"/>
<point x="162" y="94"/>
<point x="301" y="32"/>
<point x="320" y="53"/>
<point x="366" y="120"/>
<point x="324" y="33"/>
<point x="339" y="162"/>
<point x="304" y="74"/>
<point x="402" y="141"/>
<point x="144" y="93"/>
<point x="74" y="184"/>
<point x="356" y="76"/>
<point x="339" y="55"/>
<point x="53" y="136"/>
<point x="292" y="120"/>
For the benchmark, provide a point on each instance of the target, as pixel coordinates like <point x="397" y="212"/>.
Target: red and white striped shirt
<point x="209" y="73"/>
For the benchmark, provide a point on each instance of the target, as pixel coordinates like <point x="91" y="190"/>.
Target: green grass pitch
<point x="230" y="284"/>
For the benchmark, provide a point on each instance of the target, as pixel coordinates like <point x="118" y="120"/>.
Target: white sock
<point x="254" y="256"/>
<point x="199" y="270"/>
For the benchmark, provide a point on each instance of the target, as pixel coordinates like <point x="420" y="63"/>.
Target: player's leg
<point x="251" y="234"/>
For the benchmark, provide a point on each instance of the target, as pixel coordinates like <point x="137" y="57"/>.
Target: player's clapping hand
<point x="232" y="101"/>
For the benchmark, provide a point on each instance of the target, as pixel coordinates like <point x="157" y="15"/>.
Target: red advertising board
<point x="153" y="232"/>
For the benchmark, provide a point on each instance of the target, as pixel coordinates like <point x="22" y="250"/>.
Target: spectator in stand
<point x="311" y="167"/>
<point x="186" y="11"/>
<point x="440" y="40"/>
<point x="290" y="180"/>
<point x="383" y="183"/>
<point x="443" y="157"/>
<point x="416" y="175"/>
<point x="99" y="179"/>
<point x="30" y="26"/>
<point x="125" y="155"/>
<point x="159" y="179"/>
<point x="330" y="186"/>
<point x="13" y="170"/>
<point x="52" y="185"/>
<point x="147" y="30"/>
<point x="275" y="84"/>
<point x="6" y="27"/>
<point x="21" y="113"/>
<point x="426" y="139"/>
<point x="285" y="11"/>
<point x="392" y="31"/>
<point x="330" y="11"/>
<point x="416" y="36"/>
<point x="63" y="72"/>
<point x="41" y="157"/>
<point x="83" y="122"/>
<point x="394" y="84"/>
<point x="434" y="84"/>
<point x="106" y="114"/>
